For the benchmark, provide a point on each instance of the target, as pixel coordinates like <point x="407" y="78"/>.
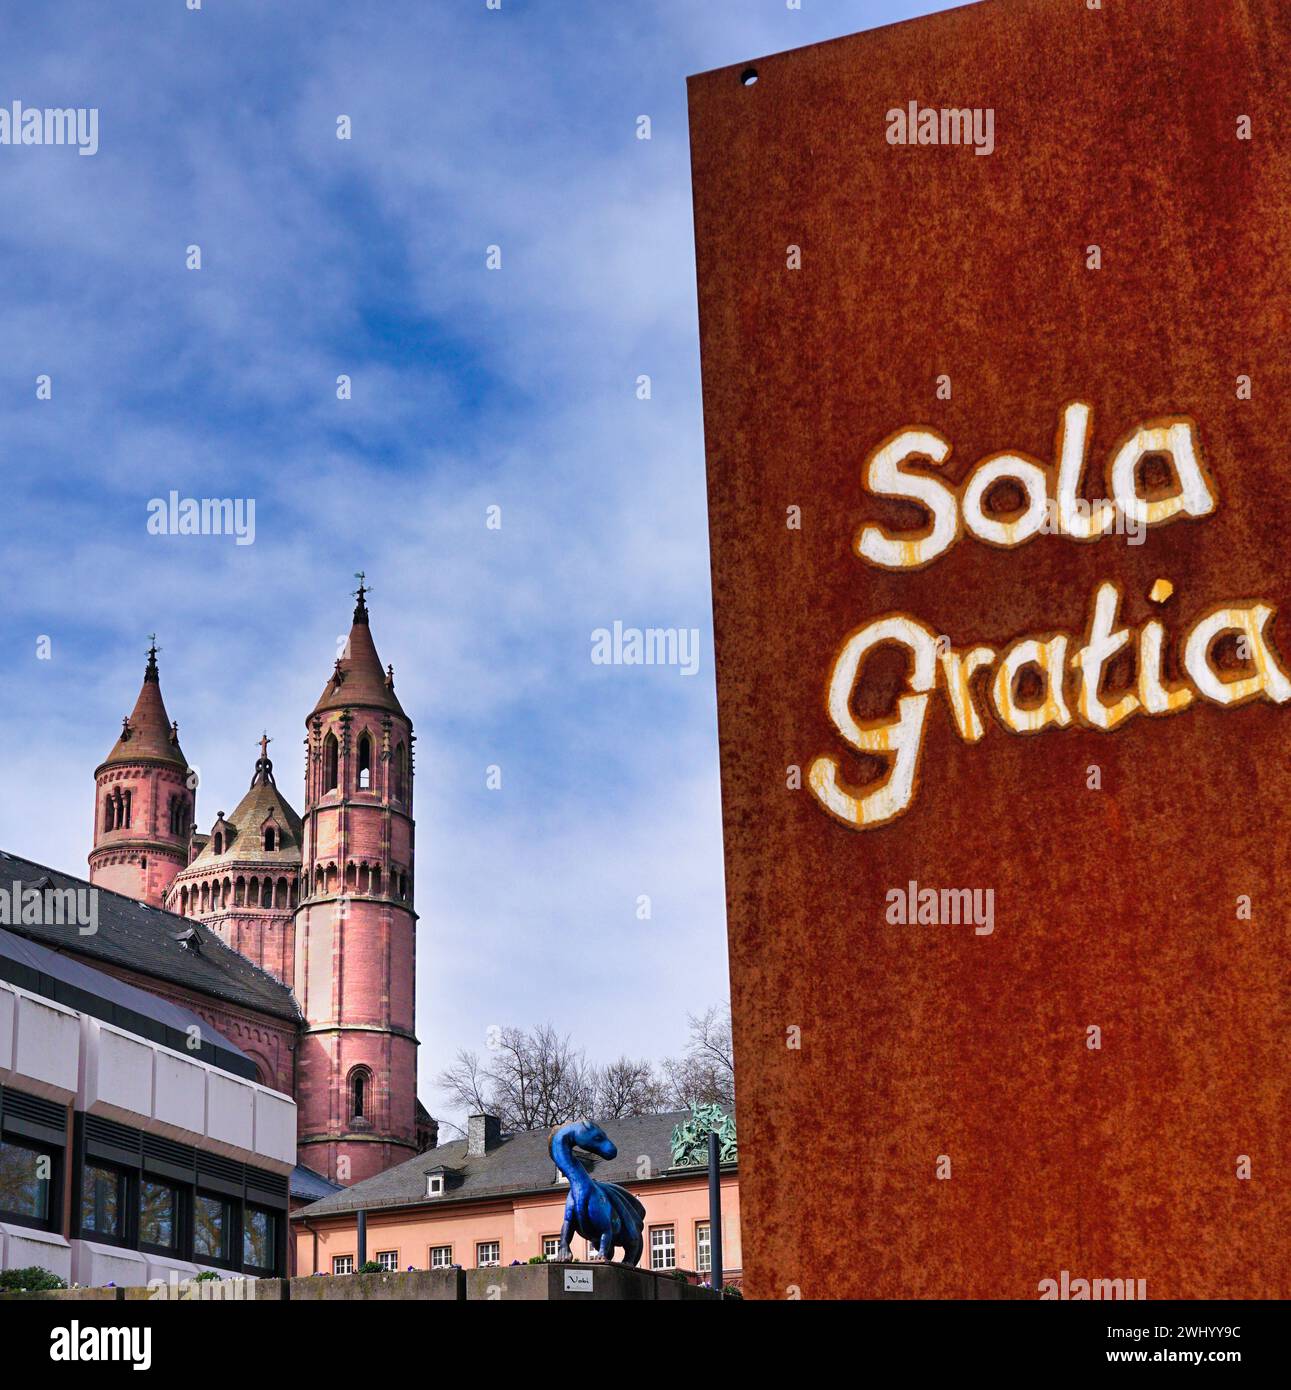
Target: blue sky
<point x="471" y="388"/>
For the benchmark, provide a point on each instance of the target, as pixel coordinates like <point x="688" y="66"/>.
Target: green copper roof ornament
<point x="690" y="1138"/>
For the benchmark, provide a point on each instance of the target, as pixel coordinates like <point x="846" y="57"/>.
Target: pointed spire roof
<point x="148" y="732"/>
<point x="245" y="827"/>
<point x="358" y="679"/>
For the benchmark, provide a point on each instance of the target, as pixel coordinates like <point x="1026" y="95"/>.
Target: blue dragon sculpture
<point x="604" y="1213"/>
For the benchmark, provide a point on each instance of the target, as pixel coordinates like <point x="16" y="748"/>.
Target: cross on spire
<point x="361" y="593"/>
<point x="150" y="671"/>
<point x="264" y="768"/>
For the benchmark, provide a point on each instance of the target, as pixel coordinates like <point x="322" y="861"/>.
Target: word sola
<point x="1043" y="660"/>
<point x="50" y="125"/>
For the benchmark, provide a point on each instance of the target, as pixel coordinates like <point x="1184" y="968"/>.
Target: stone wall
<point x="541" y="1283"/>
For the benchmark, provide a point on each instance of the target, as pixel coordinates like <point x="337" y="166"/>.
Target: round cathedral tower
<point x="143" y="803"/>
<point x="355" y="926"/>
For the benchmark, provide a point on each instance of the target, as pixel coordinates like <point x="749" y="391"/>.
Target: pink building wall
<point x="518" y="1223"/>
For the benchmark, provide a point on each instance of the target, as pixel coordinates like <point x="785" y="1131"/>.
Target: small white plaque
<point x="578" y="1280"/>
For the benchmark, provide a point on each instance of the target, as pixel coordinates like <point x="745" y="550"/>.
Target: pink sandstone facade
<point x="355" y="927"/>
<point x="519" y="1225"/>
<point x="323" y="903"/>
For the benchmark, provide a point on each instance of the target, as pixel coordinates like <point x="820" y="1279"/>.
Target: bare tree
<point x="628" y="1087"/>
<point x="537" y="1079"/>
<point x="529" y="1080"/>
<point x="466" y="1082"/>
<point x="705" y="1072"/>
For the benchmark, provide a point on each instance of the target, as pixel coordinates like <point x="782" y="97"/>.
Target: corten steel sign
<point x="993" y="309"/>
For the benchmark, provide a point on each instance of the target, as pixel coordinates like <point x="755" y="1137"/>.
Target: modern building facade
<point x="498" y="1199"/>
<point x="135" y="1142"/>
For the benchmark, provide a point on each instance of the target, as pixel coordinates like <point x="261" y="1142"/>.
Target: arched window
<point x="331" y="755"/>
<point x="365" y="763"/>
<point x="109" y="813"/>
<point x="270" y="838"/>
<point x="126" y="821"/>
<point x="360" y="1093"/>
<point x="219" y="842"/>
<point x="400" y="772"/>
<point x="266" y="893"/>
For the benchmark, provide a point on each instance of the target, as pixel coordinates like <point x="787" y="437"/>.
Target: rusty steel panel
<point x="1083" y="1076"/>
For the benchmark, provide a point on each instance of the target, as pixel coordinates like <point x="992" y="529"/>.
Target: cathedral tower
<point x="143" y="804"/>
<point x="355" y="926"/>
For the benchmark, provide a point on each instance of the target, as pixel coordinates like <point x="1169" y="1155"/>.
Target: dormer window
<point x="270" y="838"/>
<point x="435" y="1185"/>
<point x="219" y="842"/>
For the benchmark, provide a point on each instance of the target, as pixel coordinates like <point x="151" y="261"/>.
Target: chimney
<point x="483" y="1133"/>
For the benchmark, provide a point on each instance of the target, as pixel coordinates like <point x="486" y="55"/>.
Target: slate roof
<point x="137" y="937"/>
<point x="309" y="1186"/>
<point x="519" y="1163"/>
<point x="105" y="989"/>
<point x="147" y="733"/>
<point x="246" y="847"/>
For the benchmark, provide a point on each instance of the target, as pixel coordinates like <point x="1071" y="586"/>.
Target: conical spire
<point x="358" y="679"/>
<point x="147" y="732"/>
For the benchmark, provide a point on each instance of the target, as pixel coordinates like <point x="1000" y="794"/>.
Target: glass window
<point x="488" y="1252"/>
<point x="388" y="1259"/>
<point x="212" y="1227"/>
<point x="259" y="1238"/>
<point x="342" y="1264"/>
<point x="703" y="1248"/>
<point x="551" y="1246"/>
<point x="102" y="1201"/>
<point x="663" y="1247"/>
<point x="24" y="1181"/>
<point x="441" y="1256"/>
<point x="158" y="1214"/>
